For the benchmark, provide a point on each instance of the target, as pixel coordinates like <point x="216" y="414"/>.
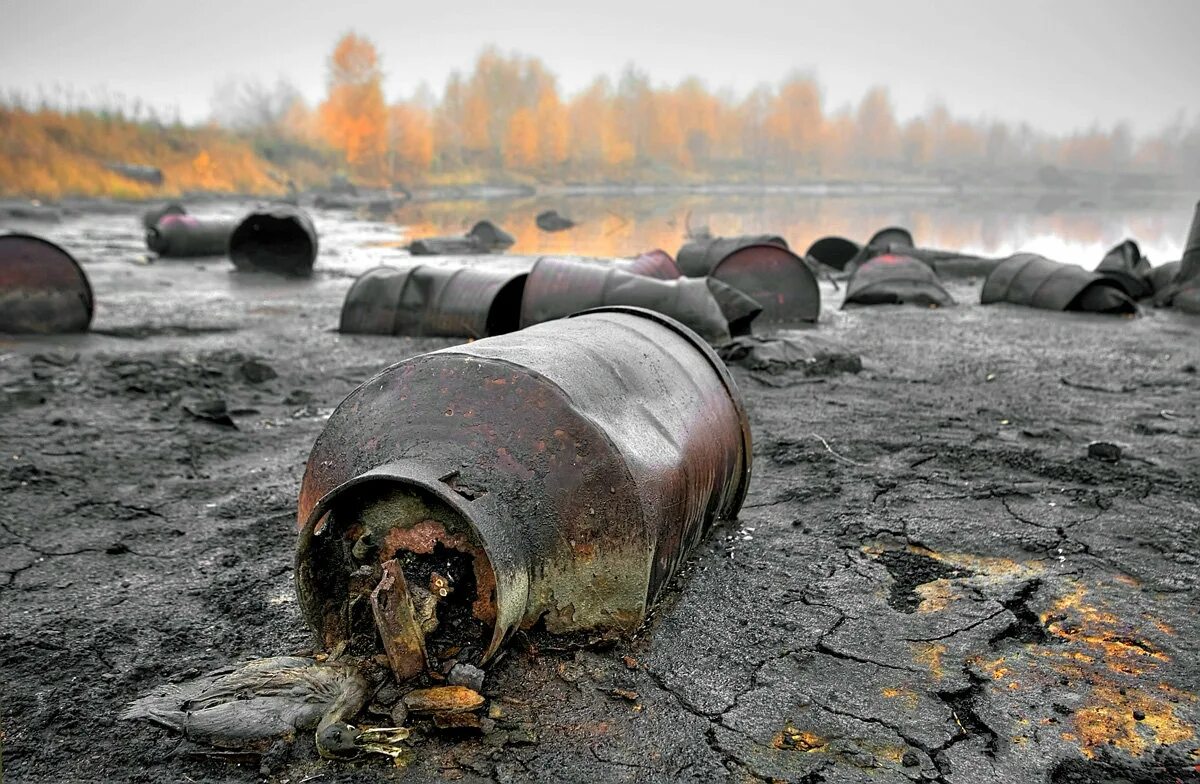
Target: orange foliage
<point x="353" y="117"/>
<point x="411" y="138"/>
<point x="521" y="140"/>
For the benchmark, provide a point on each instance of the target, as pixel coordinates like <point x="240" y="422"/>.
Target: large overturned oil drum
<point x="761" y="267"/>
<point x="153" y="215"/>
<point x="558" y="287"/>
<point x="835" y="252"/>
<point x="892" y="279"/>
<point x="43" y="290"/>
<point x="280" y="239"/>
<point x="188" y="236"/>
<point x="1125" y="265"/>
<point x="1037" y="282"/>
<point x="655" y="263"/>
<point x="558" y="477"/>
<point x="449" y="300"/>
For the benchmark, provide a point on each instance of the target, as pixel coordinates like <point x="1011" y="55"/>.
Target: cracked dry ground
<point x="931" y="581"/>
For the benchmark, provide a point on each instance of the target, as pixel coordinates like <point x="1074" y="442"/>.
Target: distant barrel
<point x="1184" y="290"/>
<point x="153" y="215"/>
<point x="280" y="239"/>
<point x="891" y="237"/>
<point x="1125" y="265"/>
<point x="834" y="252"/>
<point x="445" y="301"/>
<point x="1037" y="282"/>
<point x="892" y="279"/>
<point x="184" y="236"/>
<point x="43" y="290"/>
<point x="558" y="287"/>
<point x="761" y="267"/>
<point x="559" y="475"/>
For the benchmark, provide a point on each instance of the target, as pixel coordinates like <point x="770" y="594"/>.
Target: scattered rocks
<point x="1104" y="450"/>
<point x="467" y="675"/>
<point x="255" y="372"/>
<point x="214" y="410"/>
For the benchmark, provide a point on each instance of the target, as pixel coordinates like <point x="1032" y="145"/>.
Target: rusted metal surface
<point x="891" y="238"/>
<point x="183" y="236"/>
<point x="1037" y="282"/>
<point x="834" y="252"/>
<point x="558" y="287"/>
<point x="700" y="256"/>
<point x="43" y="290"/>
<point x="779" y="280"/>
<point x="451" y="300"/>
<point x="655" y="263"/>
<point x="574" y="464"/>
<point x="280" y="238"/>
<point x="484" y="237"/>
<point x="152" y="216"/>
<point x="1125" y="265"/>
<point x="890" y="279"/>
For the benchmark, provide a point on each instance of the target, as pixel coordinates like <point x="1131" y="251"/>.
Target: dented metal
<point x="655" y="263"/>
<point x="448" y="300"/>
<point x="558" y="287"/>
<point x="184" y="236"/>
<point x="280" y="238"/>
<point x="43" y="290"/>
<point x="1037" y="282"/>
<point x="565" y="470"/>
<point x="892" y="279"/>
<point x="761" y="267"/>
<point x="1125" y="265"/>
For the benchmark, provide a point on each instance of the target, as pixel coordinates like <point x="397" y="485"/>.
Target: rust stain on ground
<point x="929" y="654"/>
<point x="792" y="739"/>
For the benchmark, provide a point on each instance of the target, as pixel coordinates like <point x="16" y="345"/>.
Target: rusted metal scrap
<point x="152" y="216"/>
<point x="892" y="279"/>
<point x="763" y="268"/>
<point x="558" y="287"/>
<point x="1125" y="265"/>
<point x="43" y="290"/>
<point x="1037" y="282"/>
<point x="655" y="263"/>
<point x="484" y="237"/>
<point x="1181" y="289"/>
<point x="280" y="238"/>
<point x="558" y="476"/>
<point x="184" y="236"/>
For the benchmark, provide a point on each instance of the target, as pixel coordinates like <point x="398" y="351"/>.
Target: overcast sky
<point x="1059" y="64"/>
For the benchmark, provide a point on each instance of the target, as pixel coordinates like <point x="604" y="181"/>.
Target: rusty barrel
<point x="574" y="464"/>
<point x="187" y="236"/>
<point x="1125" y="265"/>
<point x="1037" y="282"/>
<point x="834" y="252"/>
<point x="43" y="290"/>
<point x="558" y="287"/>
<point x="280" y="238"/>
<point x="655" y="263"/>
<point x="892" y="279"/>
<point x="761" y="267"/>
<point x="444" y="301"/>
<point x="152" y="216"/>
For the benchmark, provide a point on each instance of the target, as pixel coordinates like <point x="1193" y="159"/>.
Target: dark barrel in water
<point x="445" y="300"/>
<point x="280" y="238"/>
<point x="761" y="267"/>
<point x="185" y="236"/>
<point x="570" y="467"/>
<point x="43" y="290"/>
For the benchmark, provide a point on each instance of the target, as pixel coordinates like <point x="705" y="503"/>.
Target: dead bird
<point x="240" y="707"/>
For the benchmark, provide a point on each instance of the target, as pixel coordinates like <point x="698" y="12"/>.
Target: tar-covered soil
<point x="931" y="579"/>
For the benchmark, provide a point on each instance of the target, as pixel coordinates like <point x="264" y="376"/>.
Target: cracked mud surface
<point x="930" y="581"/>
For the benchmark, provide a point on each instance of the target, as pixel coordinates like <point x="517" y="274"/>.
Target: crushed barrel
<point x="655" y="263"/>
<point x="451" y="300"/>
<point x="1037" y="282"/>
<point x="558" y="287"/>
<point x="280" y="239"/>
<point x="557" y="476"/>
<point x="761" y="267"/>
<point x="892" y="279"/>
<point x="43" y="290"/>
<point x="187" y="236"/>
<point x="1125" y="265"/>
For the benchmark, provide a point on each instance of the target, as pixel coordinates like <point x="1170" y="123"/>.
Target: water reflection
<point x="1064" y="228"/>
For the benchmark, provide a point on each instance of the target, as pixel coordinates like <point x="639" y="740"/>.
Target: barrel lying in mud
<point x="186" y="236"/>
<point x="835" y="252"/>
<point x="1125" y="265"/>
<point x="445" y="301"/>
<point x="891" y="279"/>
<point x="43" y="290"/>
<point x="655" y="263"/>
<point x="558" y="287"/>
<point x="1037" y="282"/>
<point x="280" y="239"/>
<point x="761" y="267"/>
<point x="556" y="476"/>
<point x="484" y="237"/>
<point x="152" y="216"/>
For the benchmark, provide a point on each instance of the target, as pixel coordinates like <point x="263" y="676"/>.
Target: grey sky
<point x="1059" y="64"/>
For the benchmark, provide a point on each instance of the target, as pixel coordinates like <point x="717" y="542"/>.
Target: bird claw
<point x="388" y="741"/>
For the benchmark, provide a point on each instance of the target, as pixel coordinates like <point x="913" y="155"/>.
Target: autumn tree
<point x="876" y="136"/>
<point x="353" y="117"/>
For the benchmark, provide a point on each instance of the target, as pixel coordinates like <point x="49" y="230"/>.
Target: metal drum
<point x="184" y="236"/>
<point x="557" y="476"/>
<point x="280" y="239"/>
<point x="895" y="280"/>
<point x="762" y="268"/>
<point x="43" y="290"/>
<point x="1037" y="282"/>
